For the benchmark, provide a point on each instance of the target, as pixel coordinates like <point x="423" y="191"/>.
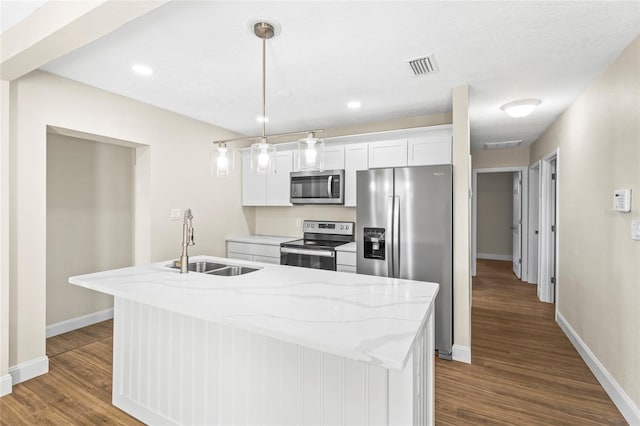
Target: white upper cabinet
<point x="334" y="157"/>
<point x="278" y="186"/>
<point x="411" y="147"/>
<point x="267" y="190"/>
<point x="388" y="154"/>
<point x="431" y="148"/>
<point x="356" y="157"/>
<point x="254" y="186"/>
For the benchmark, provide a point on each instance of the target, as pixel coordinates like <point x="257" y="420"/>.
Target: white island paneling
<point x="281" y="345"/>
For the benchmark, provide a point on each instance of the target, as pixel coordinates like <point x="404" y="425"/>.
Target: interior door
<point x="517" y="224"/>
<point x="554" y="230"/>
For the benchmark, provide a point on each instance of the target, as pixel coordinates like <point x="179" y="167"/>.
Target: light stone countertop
<point x="351" y="247"/>
<point x="361" y="317"/>
<point x="271" y="240"/>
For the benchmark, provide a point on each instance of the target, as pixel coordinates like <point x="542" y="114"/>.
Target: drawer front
<point x="241" y="256"/>
<point x="253" y="249"/>
<point x="346" y="258"/>
<point x="345" y="268"/>
<point x="267" y="259"/>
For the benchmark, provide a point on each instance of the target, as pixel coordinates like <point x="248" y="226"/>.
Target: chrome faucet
<point x="187" y="240"/>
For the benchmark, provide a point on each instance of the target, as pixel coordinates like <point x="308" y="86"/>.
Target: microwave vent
<point x="425" y="65"/>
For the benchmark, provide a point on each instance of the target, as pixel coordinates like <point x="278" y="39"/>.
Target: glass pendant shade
<point x="222" y="161"/>
<point x="263" y="158"/>
<point x="311" y="154"/>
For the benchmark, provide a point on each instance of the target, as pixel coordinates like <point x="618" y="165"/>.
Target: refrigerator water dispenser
<point x="374" y="243"/>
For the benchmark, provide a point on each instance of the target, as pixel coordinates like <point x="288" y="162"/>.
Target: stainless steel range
<point x="317" y="248"/>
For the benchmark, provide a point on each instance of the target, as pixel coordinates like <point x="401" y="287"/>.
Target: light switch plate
<point x="176" y="214"/>
<point x="635" y="228"/>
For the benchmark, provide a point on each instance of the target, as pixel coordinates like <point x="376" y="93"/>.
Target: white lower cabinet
<point x="346" y="261"/>
<point x="254" y="252"/>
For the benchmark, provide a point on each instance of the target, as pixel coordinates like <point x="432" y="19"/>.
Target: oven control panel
<point x="337" y="228"/>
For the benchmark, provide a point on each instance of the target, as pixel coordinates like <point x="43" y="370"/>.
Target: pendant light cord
<point x="264" y="87"/>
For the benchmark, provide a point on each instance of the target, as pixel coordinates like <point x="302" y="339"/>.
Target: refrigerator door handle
<point x="390" y="228"/>
<point x="395" y="236"/>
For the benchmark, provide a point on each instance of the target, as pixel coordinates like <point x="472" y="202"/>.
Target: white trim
<point x="524" y="170"/>
<point x="6" y="384"/>
<point x="626" y="406"/>
<point x="545" y="291"/>
<point x="78" y="322"/>
<point x="461" y="353"/>
<point x="534" y="222"/>
<point x="29" y="370"/>
<point x="492" y="256"/>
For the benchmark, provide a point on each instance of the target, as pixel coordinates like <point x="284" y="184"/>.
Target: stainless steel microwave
<point x="317" y="187"/>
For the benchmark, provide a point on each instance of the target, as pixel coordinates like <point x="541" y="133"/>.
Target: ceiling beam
<point x="60" y="27"/>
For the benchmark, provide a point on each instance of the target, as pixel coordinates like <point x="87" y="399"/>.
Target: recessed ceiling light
<point x="261" y="119"/>
<point x="142" y="69"/>
<point x="354" y="104"/>
<point x="521" y="108"/>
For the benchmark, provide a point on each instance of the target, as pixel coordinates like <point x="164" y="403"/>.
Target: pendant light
<point x="311" y="153"/>
<point x="263" y="154"/>
<point x="222" y="160"/>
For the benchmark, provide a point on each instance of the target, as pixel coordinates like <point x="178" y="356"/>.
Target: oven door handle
<point x="321" y="253"/>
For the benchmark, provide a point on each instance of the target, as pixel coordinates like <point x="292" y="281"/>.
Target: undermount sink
<point x="232" y="270"/>
<point x="220" y="269"/>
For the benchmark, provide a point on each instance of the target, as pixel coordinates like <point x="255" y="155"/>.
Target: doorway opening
<point x="91" y="221"/>
<point x="500" y="217"/>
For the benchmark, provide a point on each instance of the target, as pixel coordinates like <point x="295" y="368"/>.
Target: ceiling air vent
<point x="502" y="145"/>
<point x="426" y="65"/>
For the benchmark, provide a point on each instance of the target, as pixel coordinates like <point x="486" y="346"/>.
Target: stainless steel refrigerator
<point x="404" y="230"/>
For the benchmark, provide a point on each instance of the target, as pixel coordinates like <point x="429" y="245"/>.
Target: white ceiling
<point x="207" y="61"/>
<point x="14" y="11"/>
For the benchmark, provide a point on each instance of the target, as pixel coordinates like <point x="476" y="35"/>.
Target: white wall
<point x="495" y="213"/>
<point x="89" y="220"/>
<point x="5" y="380"/>
<point x="599" y="273"/>
<point x="176" y="174"/>
<point x="508" y="157"/>
<point x="461" y="221"/>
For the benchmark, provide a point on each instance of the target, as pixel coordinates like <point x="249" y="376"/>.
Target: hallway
<point x="524" y="369"/>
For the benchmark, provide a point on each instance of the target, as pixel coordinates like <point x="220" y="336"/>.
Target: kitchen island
<point x="281" y="345"/>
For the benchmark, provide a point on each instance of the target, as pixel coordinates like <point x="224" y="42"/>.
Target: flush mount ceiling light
<point x="521" y="108"/>
<point x="263" y="153"/>
<point x="354" y="104"/>
<point x="141" y="69"/>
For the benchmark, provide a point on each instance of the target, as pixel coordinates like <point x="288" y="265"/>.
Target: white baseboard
<point x="29" y="370"/>
<point x="626" y="406"/>
<point x="78" y="322"/>
<point x="6" y="384"/>
<point x="461" y="354"/>
<point x="491" y="256"/>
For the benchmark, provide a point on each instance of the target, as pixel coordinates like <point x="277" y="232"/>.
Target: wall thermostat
<point x="622" y="200"/>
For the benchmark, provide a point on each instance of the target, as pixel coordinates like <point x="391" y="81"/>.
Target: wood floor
<point x="524" y="371"/>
